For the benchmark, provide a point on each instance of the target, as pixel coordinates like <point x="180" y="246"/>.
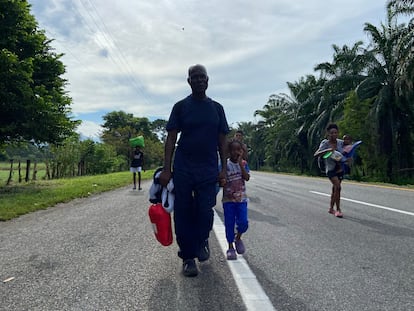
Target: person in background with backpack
<point x="333" y="166"/>
<point x="203" y="127"/>
<point x="137" y="162"/>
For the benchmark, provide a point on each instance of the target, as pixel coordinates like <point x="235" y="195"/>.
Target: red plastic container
<point x="161" y="224"/>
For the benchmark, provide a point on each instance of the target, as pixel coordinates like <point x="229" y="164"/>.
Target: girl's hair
<point x="233" y="140"/>
<point x="331" y="126"/>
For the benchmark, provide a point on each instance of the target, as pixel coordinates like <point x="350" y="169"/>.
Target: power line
<point x="120" y="60"/>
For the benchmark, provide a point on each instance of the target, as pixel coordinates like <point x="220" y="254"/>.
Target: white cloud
<point x="89" y="129"/>
<point x="134" y="55"/>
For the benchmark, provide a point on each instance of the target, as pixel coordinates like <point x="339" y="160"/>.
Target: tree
<point x="401" y="6"/>
<point x="354" y="123"/>
<point x="33" y="103"/>
<point x="392" y="109"/>
<point x="158" y="127"/>
<point x="254" y="136"/>
<point x="120" y="126"/>
<point x="339" y="78"/>
<point x="279" y="115"/>
<point x="368" y="91"/>
<point x="288" y="119"/>
<point x="404" y="83"/>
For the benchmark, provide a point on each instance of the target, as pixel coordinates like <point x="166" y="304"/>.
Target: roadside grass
<point x="22" y="198"/>
<point x="5" y="171"/>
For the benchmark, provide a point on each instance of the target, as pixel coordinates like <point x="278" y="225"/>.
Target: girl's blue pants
<point x="235" y="216"/>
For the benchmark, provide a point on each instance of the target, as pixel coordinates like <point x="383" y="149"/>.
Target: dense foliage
<point x="367" y="90"/>
<point x="35" y="122"/>
<point x="33" y="103"/>
<point x="120" y="126"/>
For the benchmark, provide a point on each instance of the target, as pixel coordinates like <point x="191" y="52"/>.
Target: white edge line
<point x="368" y="204"/>
<point x="252" y="293"/>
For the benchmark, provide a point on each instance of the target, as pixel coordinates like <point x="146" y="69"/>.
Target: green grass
<point x="23" y="198"/>
<point x="5" y="171"/>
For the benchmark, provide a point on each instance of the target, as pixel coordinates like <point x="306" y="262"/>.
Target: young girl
<point x="235" y="199"/>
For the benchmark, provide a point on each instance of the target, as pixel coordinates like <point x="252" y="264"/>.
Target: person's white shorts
<point x="135" y="169"/>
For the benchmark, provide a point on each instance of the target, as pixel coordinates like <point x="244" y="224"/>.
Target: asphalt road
<point x="99" y="253"/>
<point x="306" y="259"/>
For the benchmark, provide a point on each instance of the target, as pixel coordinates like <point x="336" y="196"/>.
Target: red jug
<point x="161" y="224"/>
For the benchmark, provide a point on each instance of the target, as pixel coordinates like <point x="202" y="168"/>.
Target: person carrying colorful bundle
<point x="331" y="150"/>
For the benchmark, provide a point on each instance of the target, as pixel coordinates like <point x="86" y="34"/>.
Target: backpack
<point x="321" y="165"/>
<point x="155" y="191"/>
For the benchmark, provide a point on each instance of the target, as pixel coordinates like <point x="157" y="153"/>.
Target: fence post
<point x="26" y="179"/>
<point x="20" y="171"/>
<point x="11" y="172"/>
<point x="34" y="170"/>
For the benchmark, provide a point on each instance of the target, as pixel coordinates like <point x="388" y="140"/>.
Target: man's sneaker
<point x="134" y="188"/>
<point x="231" y="254"/>
<point x="239" y="246"/>
<point x="203" y="253"/>
<point x="190" y="268"/>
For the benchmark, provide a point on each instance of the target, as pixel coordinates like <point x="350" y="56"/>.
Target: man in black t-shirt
<point x="203" y="127"/>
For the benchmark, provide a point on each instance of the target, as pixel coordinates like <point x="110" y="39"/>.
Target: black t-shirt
<point x="137" y="158"/>
<point x="199" y="123"/>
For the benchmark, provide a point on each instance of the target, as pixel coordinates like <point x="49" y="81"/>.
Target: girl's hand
<point x="222" y="179"/>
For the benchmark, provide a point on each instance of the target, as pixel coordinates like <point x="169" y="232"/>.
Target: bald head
<point x="198" y="80"/>
<point x="197" y="68"/>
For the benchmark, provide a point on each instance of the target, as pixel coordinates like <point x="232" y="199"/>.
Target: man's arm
<point x="222" y="153"/>
<point x="169" y="148"/>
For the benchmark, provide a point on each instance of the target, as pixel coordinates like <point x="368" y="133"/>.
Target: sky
<point x="134" y="55"/>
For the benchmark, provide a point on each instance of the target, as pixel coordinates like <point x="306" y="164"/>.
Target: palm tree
<point x="343" y="75"/>
<point x="401" y="6"/>
<point x="405" y="45"/>
<point x="279" y="121"/>
<point x="404" y="82"/>
<point x="254" y="136"/>
<point x="287" y="119"/>
<point x="308" y="95"/>
<point x="390" y="111"/>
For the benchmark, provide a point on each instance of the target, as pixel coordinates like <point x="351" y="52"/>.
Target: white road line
<point x="252" y="293"/>
<point x="368" y="204"/>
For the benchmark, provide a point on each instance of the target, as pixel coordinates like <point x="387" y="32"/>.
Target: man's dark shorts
<point x="332" y="174"/>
